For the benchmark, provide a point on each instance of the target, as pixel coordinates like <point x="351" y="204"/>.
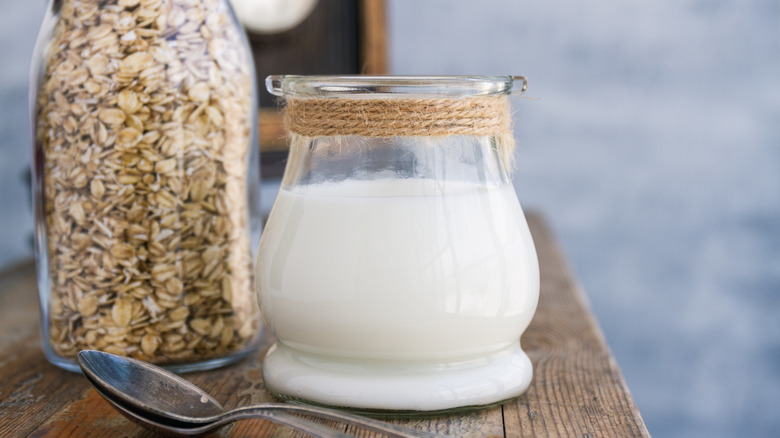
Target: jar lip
<point x="358" y="86"/>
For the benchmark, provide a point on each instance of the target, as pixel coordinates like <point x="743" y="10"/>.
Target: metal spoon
<point x="165" y="402"/>
<point x="170" y="428"/>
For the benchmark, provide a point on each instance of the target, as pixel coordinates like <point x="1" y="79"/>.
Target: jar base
<point x="178" y="368"/>
<point x="406" y="389"/>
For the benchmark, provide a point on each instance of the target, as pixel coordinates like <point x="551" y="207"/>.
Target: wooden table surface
<point x="577" y="388"/>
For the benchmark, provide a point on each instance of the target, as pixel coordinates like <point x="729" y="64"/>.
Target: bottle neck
<point x="152" y="15"/>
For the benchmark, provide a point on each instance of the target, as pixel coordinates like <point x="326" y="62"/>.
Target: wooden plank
<point x="373" y="41"/>
<point x="31" y="389"/>
<point x="273" y="136"/>
<point x="577" y="389"/>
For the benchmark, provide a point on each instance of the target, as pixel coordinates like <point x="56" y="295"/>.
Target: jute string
<point x="305" y="118"/>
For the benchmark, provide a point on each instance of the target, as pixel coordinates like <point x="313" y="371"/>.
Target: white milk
<point x="401" y="270"/>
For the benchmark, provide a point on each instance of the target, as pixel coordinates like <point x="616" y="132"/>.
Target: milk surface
<point x="397" y="270"/>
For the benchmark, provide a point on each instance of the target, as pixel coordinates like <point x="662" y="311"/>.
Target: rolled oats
<point x="143" y="127"/>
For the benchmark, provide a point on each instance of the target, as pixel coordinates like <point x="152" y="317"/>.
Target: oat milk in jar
<point x="397" y="269"/>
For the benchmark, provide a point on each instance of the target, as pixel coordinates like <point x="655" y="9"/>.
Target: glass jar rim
<point x="356" y="86"/>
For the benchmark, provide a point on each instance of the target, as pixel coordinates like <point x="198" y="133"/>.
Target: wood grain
<point x="577" y="389"/>
<point x="273" y="136"/>
<point x="373" y="41"/>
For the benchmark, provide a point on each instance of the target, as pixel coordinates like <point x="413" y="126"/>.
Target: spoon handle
<point x="330" y="414"/>
<point x="295" y="422"/>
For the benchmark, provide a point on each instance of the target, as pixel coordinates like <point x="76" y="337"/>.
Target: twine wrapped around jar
<point x="306" y="118"/>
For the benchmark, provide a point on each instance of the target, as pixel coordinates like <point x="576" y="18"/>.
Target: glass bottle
<point x="396" y="269"/>
<point x="145" y="177"/>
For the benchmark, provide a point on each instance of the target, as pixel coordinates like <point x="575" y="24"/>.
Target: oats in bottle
<point x="145" y="173"/>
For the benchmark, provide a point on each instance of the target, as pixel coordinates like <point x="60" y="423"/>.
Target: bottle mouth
<point x="394" y="86"/>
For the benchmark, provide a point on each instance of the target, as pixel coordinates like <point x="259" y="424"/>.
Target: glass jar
<point x="145" y="177"/>
<point x="396" y="269"/>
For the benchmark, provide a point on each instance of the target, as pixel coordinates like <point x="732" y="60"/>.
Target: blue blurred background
<point x="653" y="149"/>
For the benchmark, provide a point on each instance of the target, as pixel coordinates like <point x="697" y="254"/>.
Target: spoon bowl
<point x="159" y="399"/>
<point x="136" y="383"/>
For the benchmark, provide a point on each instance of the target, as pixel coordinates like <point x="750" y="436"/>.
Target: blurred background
<point x="652" y="147"/>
